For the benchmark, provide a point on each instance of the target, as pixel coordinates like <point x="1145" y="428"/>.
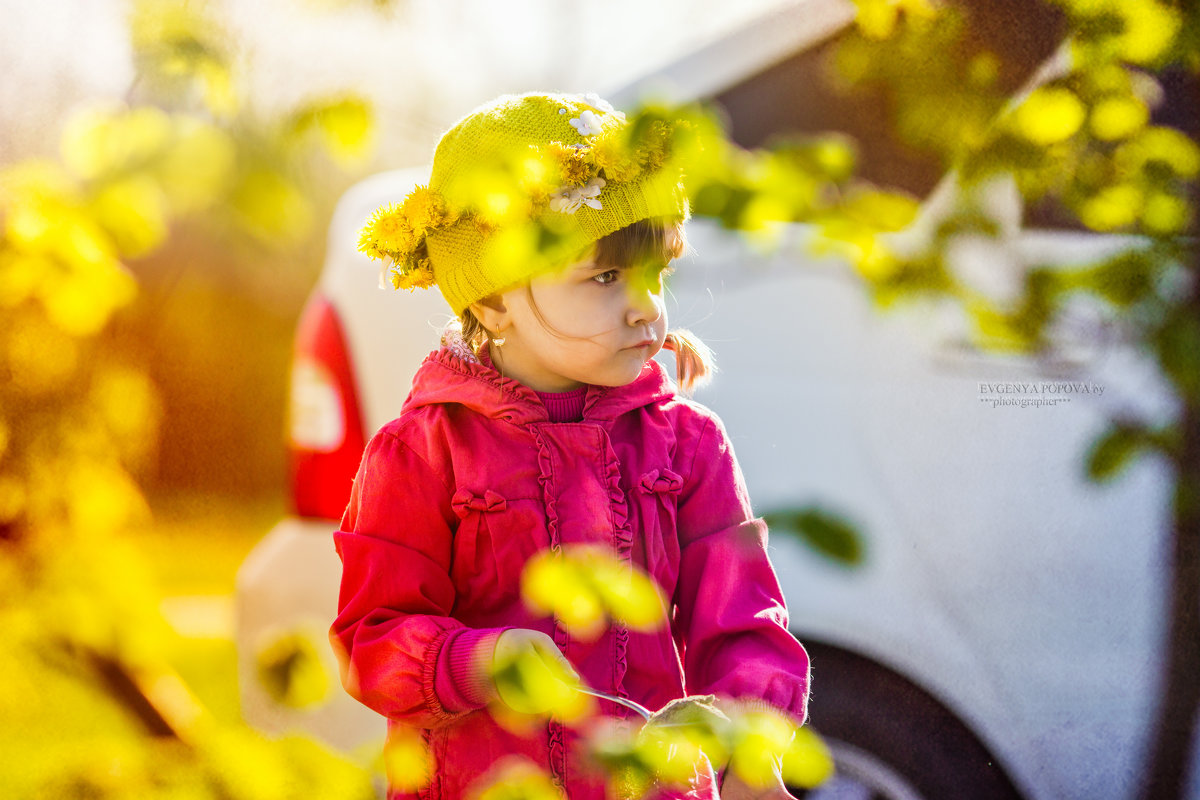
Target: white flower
<point x="587" y="123"/>
<point x="596" y="101"/>
<point x="569" y="199"/>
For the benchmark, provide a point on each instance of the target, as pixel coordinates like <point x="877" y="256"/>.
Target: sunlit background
<point x="215" y="316"/>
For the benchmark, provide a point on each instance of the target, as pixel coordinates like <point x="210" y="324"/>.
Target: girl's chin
<point x="626" y="376"/>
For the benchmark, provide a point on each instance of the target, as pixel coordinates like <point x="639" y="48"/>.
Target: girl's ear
<point x="492" y="314"/>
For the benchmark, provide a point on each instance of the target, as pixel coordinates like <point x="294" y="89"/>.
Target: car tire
<point x="892" y="740"/>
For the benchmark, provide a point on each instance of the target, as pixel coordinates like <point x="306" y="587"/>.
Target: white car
<point x="1002" y="636"/>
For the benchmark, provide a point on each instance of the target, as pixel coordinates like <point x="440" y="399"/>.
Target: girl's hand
<point x="734" y="788"/>
<point x="544" y="673"/>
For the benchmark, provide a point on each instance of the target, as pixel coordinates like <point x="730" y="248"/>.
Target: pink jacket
<point x="453" y="497"/>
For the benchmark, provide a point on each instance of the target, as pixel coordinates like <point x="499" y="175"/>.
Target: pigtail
<point x="694" y="362"/>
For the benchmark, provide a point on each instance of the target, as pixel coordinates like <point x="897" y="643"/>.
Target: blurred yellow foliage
<point x="686" y="737"/>
<point x="1144" y="31"/>
<point x="529" y="684"/>
<point x="79" y="609"/>
<point x="1166" y="214"/>
<point x="407" y="760"/>
<point x="1161" y="146"/>
<point x="510" y="251"/>
<point x="585" y="586"/>
<point x="290" y="667"/>
<point x="1049" y="115"/>
<point x="1118" y="117"/>
<point x="1113" y="207"/>
<point x="855" y="230"/>
<point x="877" y="18"/>
<point x="101" y="142"/>
<point x="270" y="206"/>
<point x="134" y="211"/>
<point x="515" y="779"/>
<point x="760" y="738"/>
<point x="807" y="763"/>
<point x="198" y="167"/>
<point x="128" y="405"/>
<point x="177" y="46"/>
<point x="345" y="125"/>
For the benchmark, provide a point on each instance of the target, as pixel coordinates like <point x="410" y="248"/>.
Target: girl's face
<point x="590" y="323"/>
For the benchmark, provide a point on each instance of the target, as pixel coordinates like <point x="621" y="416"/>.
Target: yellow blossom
<point x="574" y="164"/>
<point x="416" y="276"/>
<point x="654" y="148"/>
<point x="367" y="243"/>
<point x="424" y="210"/>
<point x="487" y="227"/>
<point x="388" y="230"/>
<point x="613" y="156"/>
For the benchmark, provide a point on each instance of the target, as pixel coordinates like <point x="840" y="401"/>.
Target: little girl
<point x="542" y="422"/>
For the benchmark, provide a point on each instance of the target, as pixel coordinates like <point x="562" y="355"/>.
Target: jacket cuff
<point x="731" y="706"/>
<point x="463" y="681"/>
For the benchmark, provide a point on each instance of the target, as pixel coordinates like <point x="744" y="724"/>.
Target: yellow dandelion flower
<point x="574" y="163"/>
<point x="613" y="156"/>
<point x="487" y="227"/>
<point x="395" y="274"/>
<point x="655" y="147"/>
<point x="426" y="210"/>
<point x="417" y="276"/>
<point x="387" y="230"/>
<point x="539" y="198"/>
<point x="367" y="243"/>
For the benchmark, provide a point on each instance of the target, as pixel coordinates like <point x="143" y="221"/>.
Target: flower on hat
<point x="388" y="230"/>
<point x="587" y="123"/>
<point x="570" y="198"/>
<point x="395" y="234"/>
<point x="512" y="164"/>
<point x="574" y="162"/>
<point x="611" y="154"/>
<point x="417" y="276"/>
<point x="596" y="101"/>
<point x="426" y="210"/>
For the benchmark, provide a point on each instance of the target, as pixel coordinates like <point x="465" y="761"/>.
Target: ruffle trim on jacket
<point x="545" y="468"/>
<point x="623" y="544"/>
<point x="555" y="733"/>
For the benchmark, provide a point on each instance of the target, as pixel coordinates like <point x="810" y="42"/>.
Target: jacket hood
<point x="453" y="374"/>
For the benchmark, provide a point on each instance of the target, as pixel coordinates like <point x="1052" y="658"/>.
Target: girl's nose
<point x="645" y="304"/>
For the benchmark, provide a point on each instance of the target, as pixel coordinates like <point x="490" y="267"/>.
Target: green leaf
<point x="1116" y="449"/>
<point x="1177" y="344"/>
<point x="1122" y="280"/>
<point x="826" y="533"/>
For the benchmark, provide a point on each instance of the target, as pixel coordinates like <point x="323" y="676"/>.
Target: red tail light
<point x="325" y="430"/>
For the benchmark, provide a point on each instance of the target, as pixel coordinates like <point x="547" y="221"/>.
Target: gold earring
<point x="498" y="341"/>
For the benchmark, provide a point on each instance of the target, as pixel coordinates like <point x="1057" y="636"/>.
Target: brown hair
<point x="646" y="240"/>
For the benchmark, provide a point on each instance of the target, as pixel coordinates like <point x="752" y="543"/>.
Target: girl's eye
<point x="607" y="277"/>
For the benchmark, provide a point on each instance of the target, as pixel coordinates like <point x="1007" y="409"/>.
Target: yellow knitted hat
<point x="520" y="186"/>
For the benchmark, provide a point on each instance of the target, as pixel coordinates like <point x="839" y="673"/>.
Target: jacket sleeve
<point x="730" y="613"/>
<point x="393" y="635"/>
